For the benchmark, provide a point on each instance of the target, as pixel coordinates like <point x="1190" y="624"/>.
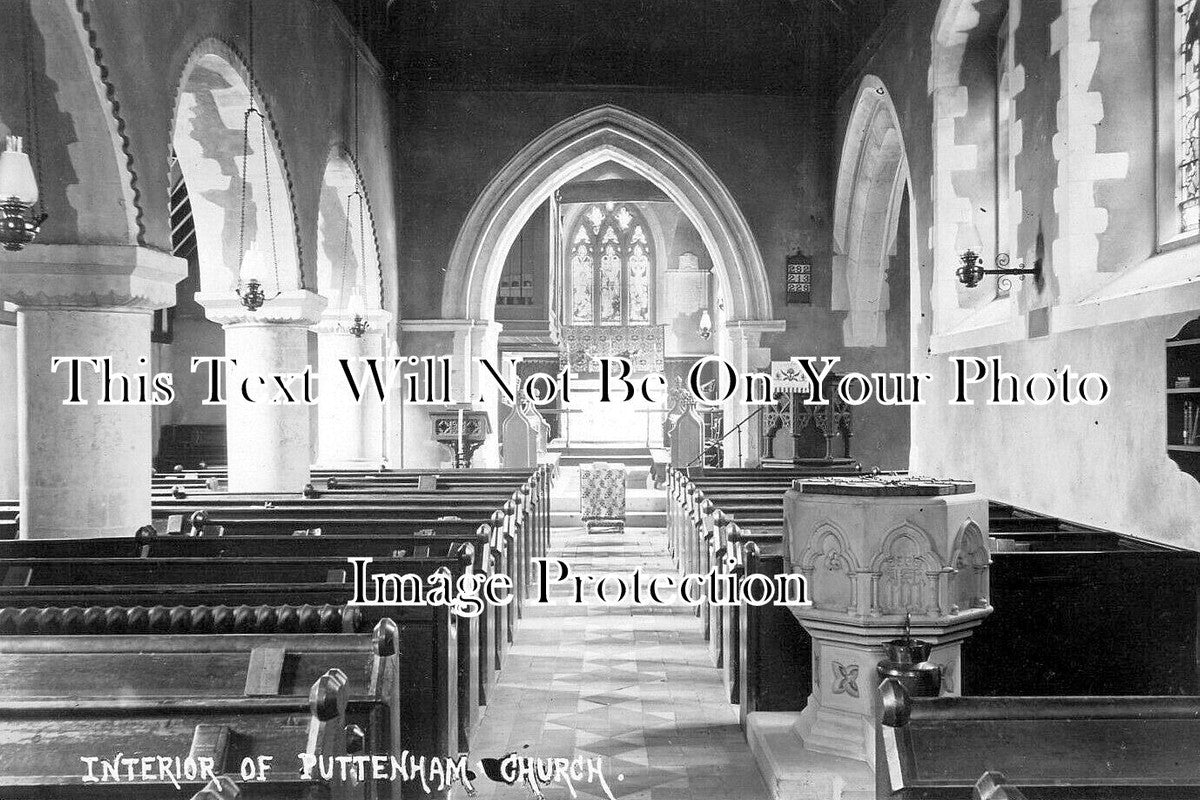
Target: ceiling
<point x="759" y="46"/>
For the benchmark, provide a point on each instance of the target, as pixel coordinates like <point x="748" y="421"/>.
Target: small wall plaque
<point x="799" y="279"/>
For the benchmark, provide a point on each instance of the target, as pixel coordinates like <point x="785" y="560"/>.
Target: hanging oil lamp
<point x="357" y="310"/>
<point x="18" y="194"/>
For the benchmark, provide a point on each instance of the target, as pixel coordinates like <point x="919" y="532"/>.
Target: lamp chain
<point x="246" y="133"/>
<point x="31" y="116"/>
<point x="345" y="255"/>
<point x="262" y="121"/>
<point x="253" y="110"/>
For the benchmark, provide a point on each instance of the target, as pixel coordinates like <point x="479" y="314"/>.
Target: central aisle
<point x="632" y="685"/>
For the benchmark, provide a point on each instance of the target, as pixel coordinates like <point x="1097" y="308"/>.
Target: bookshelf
<point x="1183" y="398"/>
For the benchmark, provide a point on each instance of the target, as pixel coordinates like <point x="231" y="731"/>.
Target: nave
<point x="632" y="685"/>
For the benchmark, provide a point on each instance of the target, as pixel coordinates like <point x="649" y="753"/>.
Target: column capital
<point x="753" y="329"/>
<point x="294" y="307"/>
<point x="457" y="326"/>
<point x="90" y="276"/>
<point x="338" y="321"/>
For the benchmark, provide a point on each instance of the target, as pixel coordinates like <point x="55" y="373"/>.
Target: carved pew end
<point x="993" y="786"/>
<point x="221" y="787"/>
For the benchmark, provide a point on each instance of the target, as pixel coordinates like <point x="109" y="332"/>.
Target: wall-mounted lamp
<point x="706" y="328"/>
<point x="18" y="194"/>
<point x="971" y="272"/>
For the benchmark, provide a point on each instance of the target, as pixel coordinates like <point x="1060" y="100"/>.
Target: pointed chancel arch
<point x="602" y="134"/>
<point x="212" y="97"/>
<point x="347" y="254"/>
<point x="872" y="177"/>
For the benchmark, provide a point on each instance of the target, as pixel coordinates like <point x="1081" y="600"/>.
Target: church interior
<point x="894" y="300"/>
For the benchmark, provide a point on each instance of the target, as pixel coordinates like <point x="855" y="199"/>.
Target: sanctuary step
<point x="644" y="508"/>
<point x="634" y="455"/>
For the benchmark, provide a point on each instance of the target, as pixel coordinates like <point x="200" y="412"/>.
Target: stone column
<point x="267" y="435"/>
<point x="350" y="432"/>
<point x="85" y="467"/>
<point x="741" y="342"/>
<point x="10" y="487"/>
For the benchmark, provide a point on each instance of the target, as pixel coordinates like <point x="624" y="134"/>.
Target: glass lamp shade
<point x="355" y="305"/>
<point x="17" y="182"/>
<point x="251" y="268"/>
<point x="705" y="324"/>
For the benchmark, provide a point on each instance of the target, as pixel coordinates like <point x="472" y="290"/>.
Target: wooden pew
<point x="380" y="515"/>
<point x="100" y="620"/>
<point x="774" y="655"/>
<point x="9" y="519"/>
<point x="1068" y="601"/>
<point x="458" y="561"/>
<point x="226" y="665"/>
<point x="437" y="543"/>
<point x="430" y="719"/>
<point x="529" y="489"/>
<point x="1117" y="748"/>
<point x="55" y="574"/>
<point x="45" y="740"/>
<point x="508" y="542"/>
<point x="1041" y="565"/>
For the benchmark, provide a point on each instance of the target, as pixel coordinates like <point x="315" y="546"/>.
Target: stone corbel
<point x="293" y="307"/>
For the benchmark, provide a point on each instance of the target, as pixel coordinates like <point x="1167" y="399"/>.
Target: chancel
<point x="360" y="361"/>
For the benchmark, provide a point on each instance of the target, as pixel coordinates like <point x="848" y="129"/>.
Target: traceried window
<point x="610" y="266"/>
<point x="1187" y="115"/>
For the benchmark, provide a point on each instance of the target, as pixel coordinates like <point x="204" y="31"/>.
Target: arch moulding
<point x="872" y="176"/>
<point x="573" y="146"/>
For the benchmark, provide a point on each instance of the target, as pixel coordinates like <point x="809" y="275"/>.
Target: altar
<point x="616" y="421"/>
<point x="636" y="421"/>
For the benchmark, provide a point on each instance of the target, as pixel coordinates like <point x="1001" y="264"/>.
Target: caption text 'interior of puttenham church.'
<point x="627" y="400"/>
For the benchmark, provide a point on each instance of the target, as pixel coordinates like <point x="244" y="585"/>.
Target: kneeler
<point x="602" y="497"/>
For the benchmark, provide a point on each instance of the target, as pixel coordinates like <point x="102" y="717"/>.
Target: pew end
<point x="1081" y="748"/>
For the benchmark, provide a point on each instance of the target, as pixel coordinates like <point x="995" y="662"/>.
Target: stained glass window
<point x="1187" y="115"/>
<point x="582" y="307"/>
<point x="611" y="267"/>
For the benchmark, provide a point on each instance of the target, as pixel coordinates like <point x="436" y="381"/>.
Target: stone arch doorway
<point x="575" y="145"/>
<point x="872" y="181"/>
<point x="602" y="135"/>
<point x="875" y="266"/>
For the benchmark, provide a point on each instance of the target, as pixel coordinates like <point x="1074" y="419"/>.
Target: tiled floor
<point x="631" y="685"/>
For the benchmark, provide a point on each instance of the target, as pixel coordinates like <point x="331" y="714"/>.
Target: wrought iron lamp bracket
<point x="972" y="272"/>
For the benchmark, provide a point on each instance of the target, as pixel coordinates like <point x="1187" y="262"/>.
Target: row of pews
<point x="224" y="632"/>
<point x="1090" y="652"/>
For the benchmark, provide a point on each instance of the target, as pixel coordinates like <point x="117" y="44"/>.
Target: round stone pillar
<point x="349" y="430"/>
<point x="267" y="426"/>
<point x="85" y="466"/>
<point x="740" y="344"/>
